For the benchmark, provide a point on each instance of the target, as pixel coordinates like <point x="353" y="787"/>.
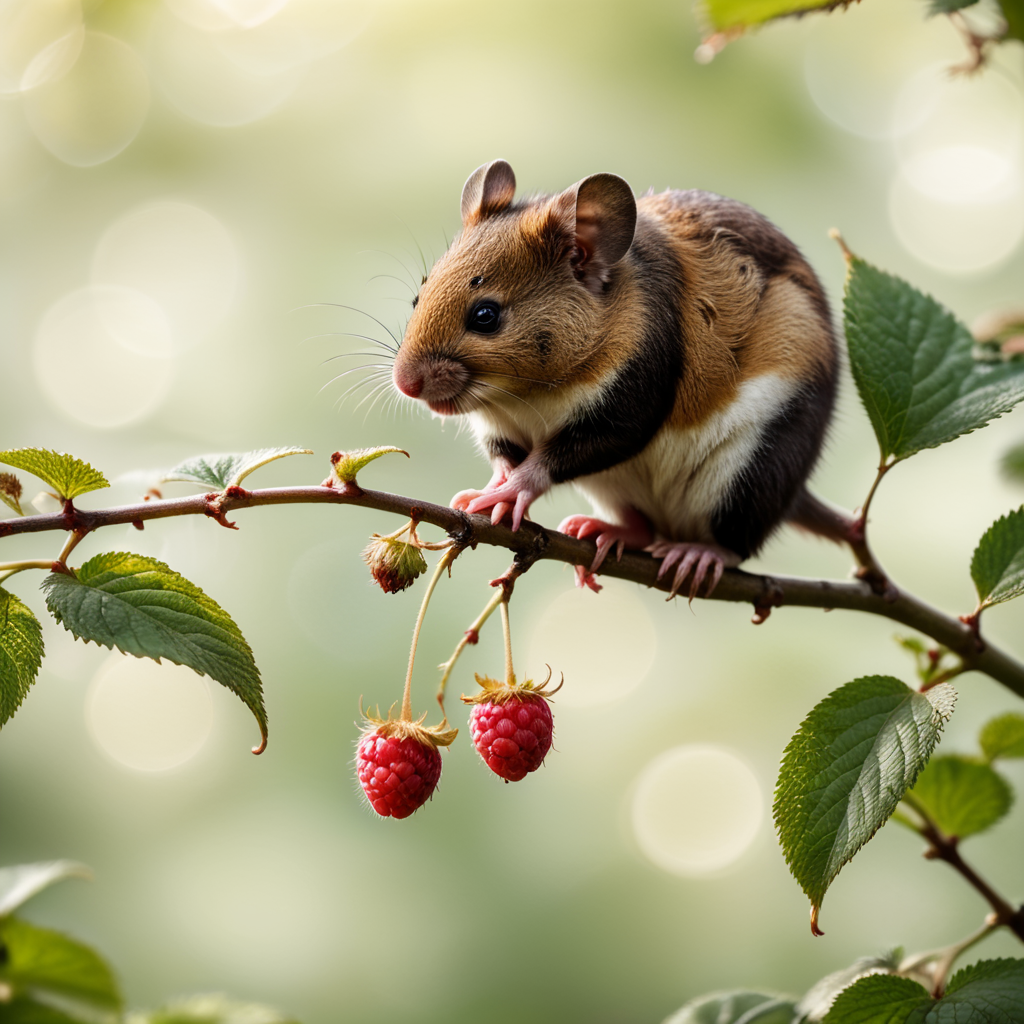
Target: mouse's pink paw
<point x="511" y="497"/>
<point x="636" y="533"/>
<point x="701" y="562"/>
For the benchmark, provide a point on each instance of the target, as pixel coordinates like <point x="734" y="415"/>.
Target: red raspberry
<point x="398" y="775"/>
<point x="511" y="726"/>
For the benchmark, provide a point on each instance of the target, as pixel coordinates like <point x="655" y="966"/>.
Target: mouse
<point x="672" y="357"/>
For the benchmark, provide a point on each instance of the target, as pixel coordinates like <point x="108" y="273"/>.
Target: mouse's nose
<point x="408" y="380"/>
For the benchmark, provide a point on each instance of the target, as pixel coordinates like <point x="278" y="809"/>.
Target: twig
<point x="534" y="541"/>
<point x="946" y="848"/>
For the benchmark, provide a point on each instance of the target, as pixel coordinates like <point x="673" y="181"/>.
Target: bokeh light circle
<point x="99" y="376"/>
<point x="147" y="716"/>
<point x="958" y="238"/>
<point x="31" y="34"/>
<point x="93" y="112"/>
<point x="179" y="255"/>
<point x="696" y="809"/>
<point x="603" y="644"/>
<point x="199" y="77"/>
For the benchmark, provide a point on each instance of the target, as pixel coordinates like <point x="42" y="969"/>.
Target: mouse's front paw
<point x="510" y="498"/>
<point x="463" y="498"/>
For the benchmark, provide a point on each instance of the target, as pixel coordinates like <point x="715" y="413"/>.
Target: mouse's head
<point x="513" y="307"/>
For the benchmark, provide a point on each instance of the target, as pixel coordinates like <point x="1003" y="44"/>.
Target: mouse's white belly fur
<point x="680" y="478"/>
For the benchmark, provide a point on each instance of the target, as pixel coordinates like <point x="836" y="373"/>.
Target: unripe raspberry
<point x="398" y="763"/>
<point x="394" y="563"/>
<point x="511" y="725"/>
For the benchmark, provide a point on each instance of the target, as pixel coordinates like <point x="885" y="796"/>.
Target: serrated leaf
<point x="723" y="15"/>
<point x="846" y="769"/>
<point x="734" y="1008"/>
<point x="997" y="566"/>
<point x="961" y="795"/>
<point x="68" y="476"/>
<point x="881" y="999"/>
<point x="43" y="961"/>
<point x="347" y="464"/>
<point x="820" y="997"/>
<point x="914" y="366"/>
<point x="211" y="1009"/>
<point x="10" y="492"/>
<point x="988" y="992"/>
<point x="21" y="652"/>
<point x="1003" y="736"/>
<point x="142" y="607"/>
<point x="20" y="882"/>
<point x="219" y="472"/>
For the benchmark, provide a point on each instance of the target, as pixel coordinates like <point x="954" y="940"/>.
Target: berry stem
<point x="510" y="676"/>
<point x="445" y="560"/>
<point x="469" y="637"/>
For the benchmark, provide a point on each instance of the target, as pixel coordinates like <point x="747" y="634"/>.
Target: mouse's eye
<point x="484" y="318"/>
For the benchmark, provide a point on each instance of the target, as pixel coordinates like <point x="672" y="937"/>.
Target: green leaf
<point x="1012" y="464"/>
<point x="961" y="795"/>
<point x="988" y="992"/>
<point x="735" y="1007"/>
<point x="881" y="999"/>
<point x="21" y="882"/>
<point x="219" y="472"/>
<point x="21" y="653"/>
<point x="23" y="1010"/>
<point x="348" y="464"/>
<point x="948" y="6"/>
<point x="997" y="566"/>
<point x="142" y="607"/>
<point x="914" y="365"/>
<point x="846" y="769"/>
<point x="211" y="1009"/>
<point x="1013" y="11"/>
<point x="820" y="997"/>
<point x="1003" y="736"/>
<point x="723" y="15"/>
<point x="68" y="476"/>
<point x="10" y="492"/>
<point x="42" y="961"/>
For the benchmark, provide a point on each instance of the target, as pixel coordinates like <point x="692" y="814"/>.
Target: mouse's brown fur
<point x="673" y="356"/>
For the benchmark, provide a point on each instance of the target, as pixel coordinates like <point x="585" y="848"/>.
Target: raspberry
<point x="398" y="774"/>
<point x="511" y="726"/>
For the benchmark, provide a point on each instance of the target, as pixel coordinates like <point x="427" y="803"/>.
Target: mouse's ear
<point x="605" y="220"/>
<point x="489" y="189"/>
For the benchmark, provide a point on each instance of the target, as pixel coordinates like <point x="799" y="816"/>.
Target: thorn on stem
<point x="138" y="524"/>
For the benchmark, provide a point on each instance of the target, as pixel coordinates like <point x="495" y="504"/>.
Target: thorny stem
<point x="469" y="637"/>
<point x="442" y="563"/>
<point x="946" y="848"/>
<point x="534" y="542"/>
<point x="510" y="676"/>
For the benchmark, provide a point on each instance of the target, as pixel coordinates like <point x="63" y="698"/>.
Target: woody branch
<point x="533" y="542"/>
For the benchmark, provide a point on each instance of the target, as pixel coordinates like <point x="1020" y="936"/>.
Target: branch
<point x="533" y="542"/>
<point x="947" y="848"/>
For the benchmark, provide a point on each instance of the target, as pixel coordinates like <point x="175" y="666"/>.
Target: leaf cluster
<point x="47" y="977"/>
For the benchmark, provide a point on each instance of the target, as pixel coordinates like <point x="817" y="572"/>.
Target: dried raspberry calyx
<point x="440" y="735"/>
<point x="493" y="691"/>
<point x="394" y="563"/>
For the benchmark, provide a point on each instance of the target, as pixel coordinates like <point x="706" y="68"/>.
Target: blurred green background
<point x="181" y="183"/>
